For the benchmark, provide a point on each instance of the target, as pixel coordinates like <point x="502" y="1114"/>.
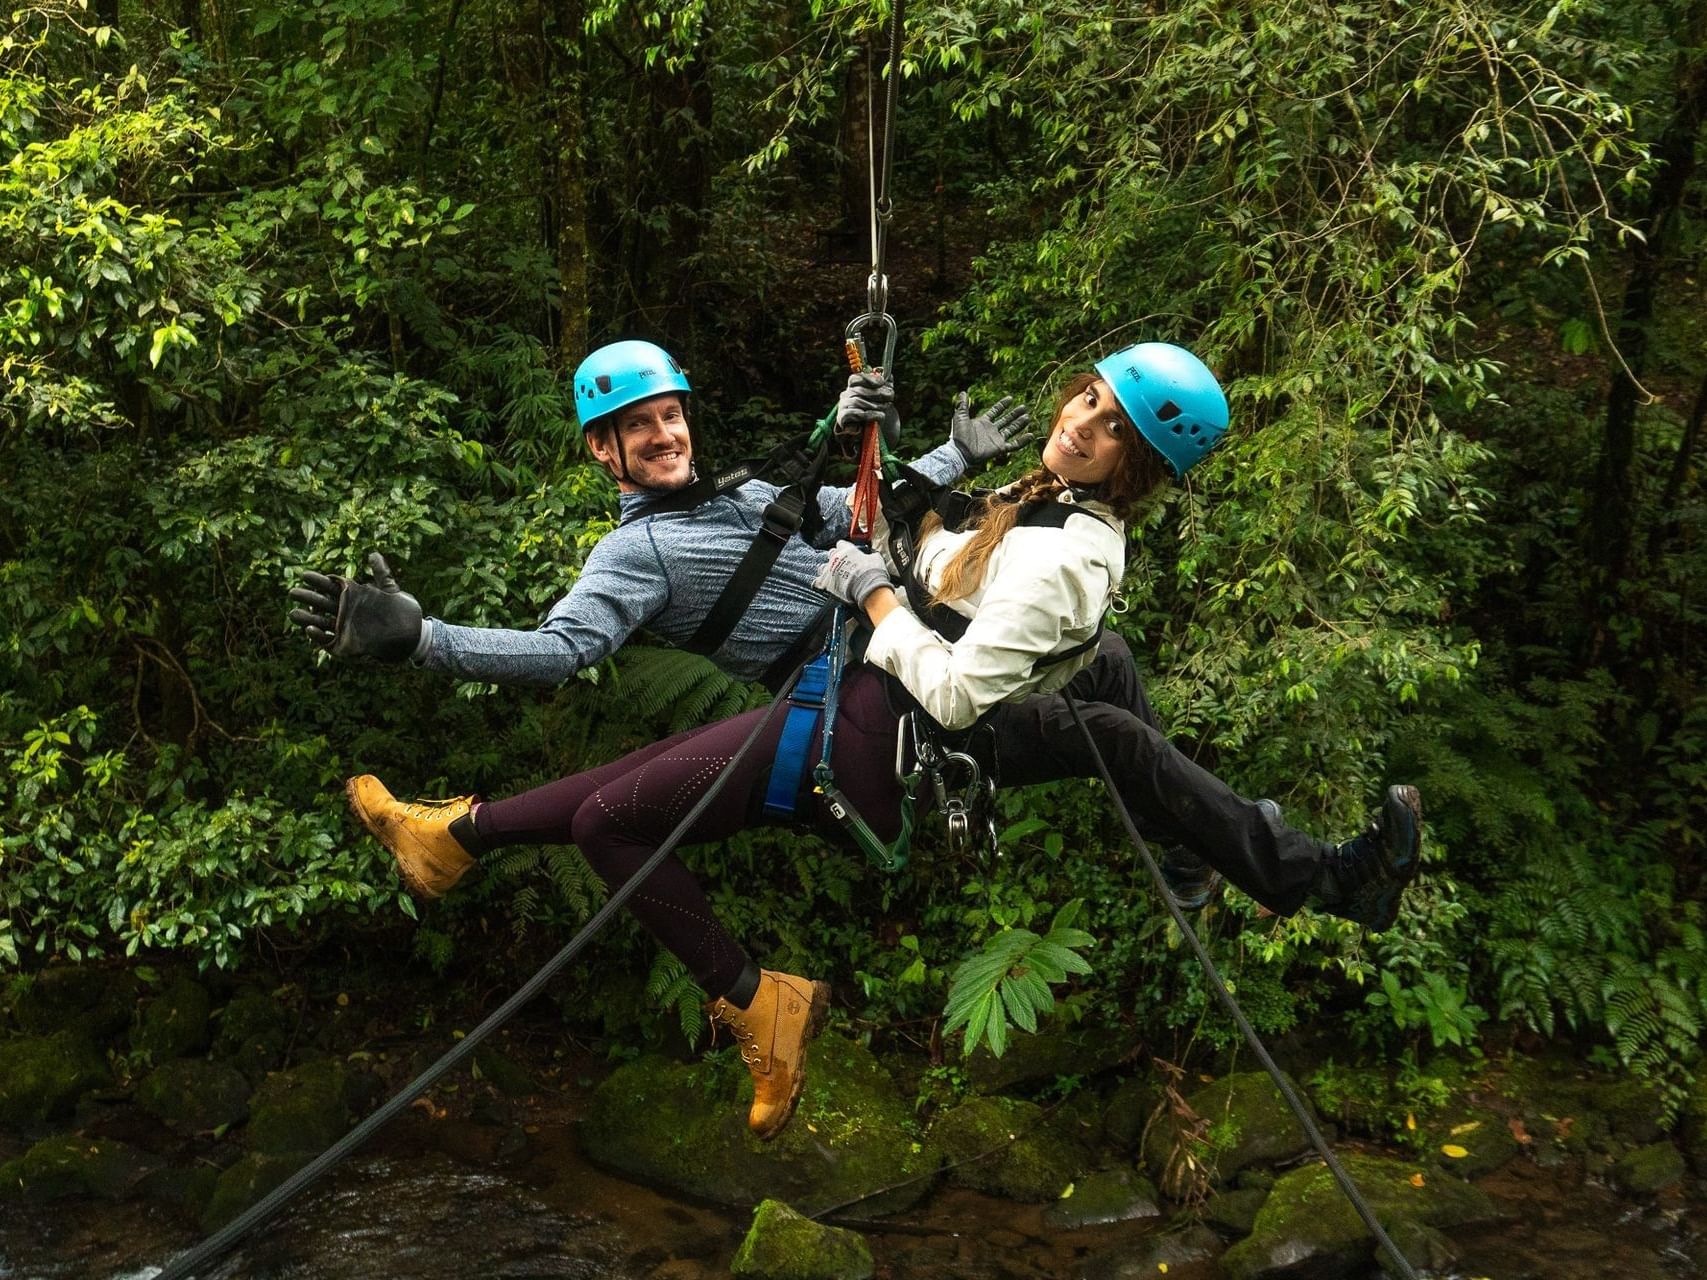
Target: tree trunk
<point x="1612" y="517"/>
<point x="568" y="46"/>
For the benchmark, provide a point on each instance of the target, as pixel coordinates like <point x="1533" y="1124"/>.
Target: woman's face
<point x="1089" y="437"/>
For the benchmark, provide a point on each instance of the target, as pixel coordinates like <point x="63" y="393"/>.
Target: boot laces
<point x="725" y="1014"/>
<point x="430" y="810"/>
<point x="1360" y="857"/>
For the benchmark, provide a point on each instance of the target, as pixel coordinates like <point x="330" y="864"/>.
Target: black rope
<point x="188" y="1264"/>
<point x="1238" y="1015"/>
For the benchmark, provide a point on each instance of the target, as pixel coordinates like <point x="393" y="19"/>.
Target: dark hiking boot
<point x="430" y="860"/>
<point x="773" y="1032"/>
<point x="1363" y="878"/>
<point x="1192" y="882"/>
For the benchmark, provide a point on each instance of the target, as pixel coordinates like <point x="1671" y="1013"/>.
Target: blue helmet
<point x="1171" y="397"/>
<point x="624" y="373"/>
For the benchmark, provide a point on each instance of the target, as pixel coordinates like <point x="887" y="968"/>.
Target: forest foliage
<point x="284" y="283"/>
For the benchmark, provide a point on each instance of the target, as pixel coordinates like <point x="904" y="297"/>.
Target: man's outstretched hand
<point x="375" y="619"/>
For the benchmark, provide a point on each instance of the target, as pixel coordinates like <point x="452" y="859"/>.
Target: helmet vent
<point x="603" y="381"/>
<point x="1167" y="412"/>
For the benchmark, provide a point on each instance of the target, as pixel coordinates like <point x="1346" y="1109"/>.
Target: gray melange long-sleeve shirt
<point x="663" y="572"/>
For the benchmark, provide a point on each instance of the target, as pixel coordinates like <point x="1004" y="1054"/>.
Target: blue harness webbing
<point x="805" y="706"/>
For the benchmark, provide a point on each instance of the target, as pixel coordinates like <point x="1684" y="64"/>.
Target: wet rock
<point x="69" y="1165"/>
<point x="1115" y="1195"/>
<point x="1033" y="1159"/>
<point x="1249" y="1123"/>
<point x="1480" y="1140"/>
<point x="94" y="1003"/>
<point x="1424" y="1248"/>
<point x="174" y="1023"/>
<point x="1154" y="1256"/>
<point x="1307" y="1226"/>
<point x="245" y="1182"/>
<point x="186" y="1189"/>
<point x="1128" y="1111"/>
<point x="299" y="1110"/>
<point x="505" y="1074"/>
<point x="1632" y="1109"/>
<point x="1056" y="1050"/>
<point x="685" y="1126"/>
<point x="783" y="1245"/>
<point x="1235" y="1211"/>
<point x="1649" y="1169"/>
<point x="42" y="1076"/>
<point x="193" y="1096"/>
<point x="253" y="1034"/>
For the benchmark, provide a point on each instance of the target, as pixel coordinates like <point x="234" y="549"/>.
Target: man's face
<point x="648" y="446"/>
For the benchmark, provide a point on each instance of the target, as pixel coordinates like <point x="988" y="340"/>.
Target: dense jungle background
<point x="281" y="284"/>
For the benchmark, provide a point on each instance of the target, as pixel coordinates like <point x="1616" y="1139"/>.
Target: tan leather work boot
<point x="773" y="1033"/>
<point x="429" y="858"/>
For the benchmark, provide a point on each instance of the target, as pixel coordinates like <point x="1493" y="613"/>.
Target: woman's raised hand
<point x="997" y="431"/>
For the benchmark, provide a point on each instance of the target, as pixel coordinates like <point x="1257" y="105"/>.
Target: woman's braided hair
<point x="1142" y="470"/>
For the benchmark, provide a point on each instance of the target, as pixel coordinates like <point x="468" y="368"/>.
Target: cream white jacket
<point x="1045" y="590"/>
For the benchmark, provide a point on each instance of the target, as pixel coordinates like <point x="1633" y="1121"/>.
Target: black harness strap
<point x="784" y="516"/>
<point x="794" y="510"/>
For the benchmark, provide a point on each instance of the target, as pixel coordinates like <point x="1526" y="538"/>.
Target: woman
<point x="1023" y="586"/>
<point x="1031" y="591"/>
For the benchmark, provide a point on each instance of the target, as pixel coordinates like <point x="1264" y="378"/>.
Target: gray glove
<point x="870" y="397"/>
<point x="358" y="619"/>
<point x="991" y="434"/>
<point x="852" y="574"/>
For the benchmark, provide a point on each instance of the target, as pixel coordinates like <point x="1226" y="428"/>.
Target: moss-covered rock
<point x="1426" y="1249"/>
<point x="175" y="1022"/>
<point x="1034" y="1160"/>
<point x="1469" y="1142"/>
<point x="299" y="1110"/>
<point x="1649" y="1169"/>
<point x="1055" y="1050"/>
<point x="253" y="1034"/>
<point x="505" y="1074"/>
<point x="247" y="1181"/>
<point x="188" y="1189"/>
<point x="1235" y="1212"/>
<point x="1128" y="1110"/>
<point x="194" y="1096"/>
<point x="1632" y="1109"/>
<point x="1249" y="1123"/>
<point x="1114" y="1195"/>
<point x="685" y="1126"/>
<point x="69" y="1165"/>
<point x="783" y="1245"/>
<point x="94" y="1003"/>
<point x="42" y="1076"/>
<point x="1307" y="1226"/>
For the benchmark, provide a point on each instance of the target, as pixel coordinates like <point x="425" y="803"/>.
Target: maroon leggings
<point x="621" y="812"/>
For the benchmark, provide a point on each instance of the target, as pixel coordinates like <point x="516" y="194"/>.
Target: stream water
<point x="407" y="1209"/>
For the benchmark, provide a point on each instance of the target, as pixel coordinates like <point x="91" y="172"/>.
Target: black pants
<point x="1169" y="795"/>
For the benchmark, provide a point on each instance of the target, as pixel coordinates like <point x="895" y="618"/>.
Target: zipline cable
<point x="1238" y="1015"/>
<point x="189" y="1263"/>
<point x="877" y="288"/>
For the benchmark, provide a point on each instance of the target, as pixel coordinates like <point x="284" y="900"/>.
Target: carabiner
<point x="856" y="329"/>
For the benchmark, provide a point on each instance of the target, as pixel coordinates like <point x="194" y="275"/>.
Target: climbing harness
<point x="1231" y="1005"/>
